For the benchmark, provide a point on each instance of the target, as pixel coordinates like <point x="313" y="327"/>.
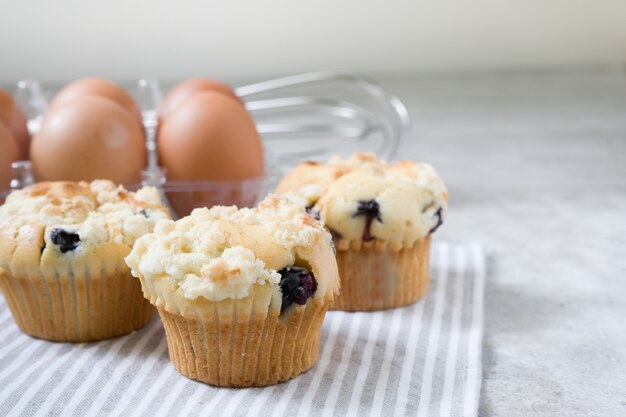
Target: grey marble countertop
<point x="536" y="171"/>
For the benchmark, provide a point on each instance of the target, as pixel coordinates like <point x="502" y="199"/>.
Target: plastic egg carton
<point x="303" y="117"/>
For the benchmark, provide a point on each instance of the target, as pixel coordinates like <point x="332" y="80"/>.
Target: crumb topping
<point x="77" y="216"/>
<point x="223" y="252"/>
<point x="362" y="198"/>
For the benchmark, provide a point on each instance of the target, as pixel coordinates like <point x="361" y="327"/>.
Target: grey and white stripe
<point x="422" y="360"/>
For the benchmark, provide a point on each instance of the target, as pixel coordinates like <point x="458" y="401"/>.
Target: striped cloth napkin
<point x="422" y="360"/>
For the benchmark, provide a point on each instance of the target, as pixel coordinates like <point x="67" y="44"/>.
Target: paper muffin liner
<point x="238" y="345"/>
<point x="377" y="277"/>
<point x="76" y="304"/>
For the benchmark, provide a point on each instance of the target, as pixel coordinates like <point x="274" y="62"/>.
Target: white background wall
<point x="58" y="40"/>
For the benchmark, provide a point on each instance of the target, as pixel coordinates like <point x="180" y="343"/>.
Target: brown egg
<point x="9" y="152"/>
<point x="97" y="87"/>
<point x="15" y="121"/>
<point x="182" y="91"/>
<point x="210" y="136"/>
<point x="88" y="138"/>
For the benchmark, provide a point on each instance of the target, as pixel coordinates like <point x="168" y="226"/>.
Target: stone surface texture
<point x="535" y="164"/>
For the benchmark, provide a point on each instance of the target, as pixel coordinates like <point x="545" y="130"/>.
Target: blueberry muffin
<point x="62" y="250"/>
<point x="242" y="293"/>
<point x="381" y="217"/>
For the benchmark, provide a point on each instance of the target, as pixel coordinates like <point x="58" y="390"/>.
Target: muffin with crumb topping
<point x="62" y="250"/>
<point x="381" y="217"/>
<point x="242" y="293"/>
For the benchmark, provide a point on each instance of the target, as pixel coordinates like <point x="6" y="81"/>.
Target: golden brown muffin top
<point x="366" y="200"/>
<point x="51" y="222"/>
<point x="225" y="253"/>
